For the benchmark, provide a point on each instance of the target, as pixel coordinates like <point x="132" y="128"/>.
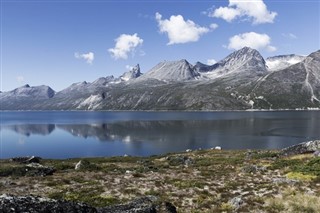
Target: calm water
<point x="80" y="134"/>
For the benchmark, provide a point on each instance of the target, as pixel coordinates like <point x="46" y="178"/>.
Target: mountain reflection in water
<point x="75" y="134"/>
<point x="186" y="131"/>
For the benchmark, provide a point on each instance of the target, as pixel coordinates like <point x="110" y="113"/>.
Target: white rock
<point x="217" y="148"/>
<point x="78" y="165"/>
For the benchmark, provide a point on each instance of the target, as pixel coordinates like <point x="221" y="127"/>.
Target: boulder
<point x="180" y="160"/>
<point x="83" y="164"/>
<point x="33" y="204"/>
<point x="236" y="202"/>
<point x="36" y="169"/>
<point x="253" y="169"/>
<point x="302" y="148"/>
<point x="148" y="204"/>
<point x="316" y="153"/>
<point x="27" y="159"/>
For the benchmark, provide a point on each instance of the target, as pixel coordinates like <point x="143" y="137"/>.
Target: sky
<point x="60" y="42"/>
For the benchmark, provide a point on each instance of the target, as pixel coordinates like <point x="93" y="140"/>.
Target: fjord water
<point x="90" y="134"/>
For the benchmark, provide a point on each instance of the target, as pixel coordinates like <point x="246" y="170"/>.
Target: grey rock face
<point x="302" y="148"/>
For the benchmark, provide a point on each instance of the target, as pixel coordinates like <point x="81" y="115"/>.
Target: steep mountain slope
<point x="283" y="61"/>
<point x="297" y="86"/>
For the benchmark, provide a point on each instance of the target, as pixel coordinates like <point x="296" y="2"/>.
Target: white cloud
<point x="125" y="44"/>
<point x="211" y="61"/>
<point x="251" y="39"/>
<point x="226" y="13"/>
<point x="128" y="67"/>
<point x="213" y="26"/>
<point x="20" y="79"/>
<point x="289" y="35"/>
<point x="180" y="31"/>
<point x="254" y="10"/>
<point x="88" y="57"/>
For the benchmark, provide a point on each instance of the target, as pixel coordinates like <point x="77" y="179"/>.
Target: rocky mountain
<point x="131" y="74"/>
<point x="297" y="86"/>
<point x="242" y="61"/>
<point x="240" y="81"/>
<point x="172" y="71"/>
<point x="283" y="61"/>
<point x="25" y="95"/>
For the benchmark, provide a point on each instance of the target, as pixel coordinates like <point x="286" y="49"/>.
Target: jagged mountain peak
<point x="25" y="86"/>
<point x="180" y="70"/>
<point x="133" y="73"/>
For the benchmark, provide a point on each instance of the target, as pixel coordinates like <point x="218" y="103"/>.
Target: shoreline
<point x="247" y="110"/>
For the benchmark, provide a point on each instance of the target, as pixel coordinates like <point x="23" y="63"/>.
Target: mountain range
<point x="241" y="81"/>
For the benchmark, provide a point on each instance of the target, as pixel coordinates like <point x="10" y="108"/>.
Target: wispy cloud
<point x="254" y="10"/>
<point x="88" y="57"/>
<point x="20" y="79"/>
<point x="251" y="39"/>
<point x="125" y="44"/>
<point x="180" y="31"/>
<point x="289" y="35"/>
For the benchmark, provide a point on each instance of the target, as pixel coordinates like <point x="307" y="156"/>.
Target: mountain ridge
<point x="240" y="81"/>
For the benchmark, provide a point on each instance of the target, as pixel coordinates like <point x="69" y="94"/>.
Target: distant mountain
<point x="25" y="97"/>
<point x="38" y="92"/>
<point x="283" y="61"/>
<point x="243" y="80"/>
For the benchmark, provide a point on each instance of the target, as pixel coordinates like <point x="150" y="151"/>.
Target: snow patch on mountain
<point x="283" y="61"/>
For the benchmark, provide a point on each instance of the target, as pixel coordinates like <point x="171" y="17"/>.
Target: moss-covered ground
<point x="197" y="181"/>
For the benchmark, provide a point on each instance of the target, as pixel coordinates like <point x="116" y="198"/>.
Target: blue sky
<point x="57" y="43"/>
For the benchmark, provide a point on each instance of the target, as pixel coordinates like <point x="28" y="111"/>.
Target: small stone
<point x="236" y="202"/>
<point x="217" y="148"/>
<point x="316" y="153"/>
<point x="189" y="150"/>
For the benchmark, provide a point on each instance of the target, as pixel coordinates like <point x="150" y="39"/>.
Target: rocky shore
<point x="214" y="180"/>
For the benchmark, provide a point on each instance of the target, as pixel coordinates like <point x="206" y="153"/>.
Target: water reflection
<point x="78" y="134"/>
<point x="32" y="129"/>
<point x="187" y="132"/>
